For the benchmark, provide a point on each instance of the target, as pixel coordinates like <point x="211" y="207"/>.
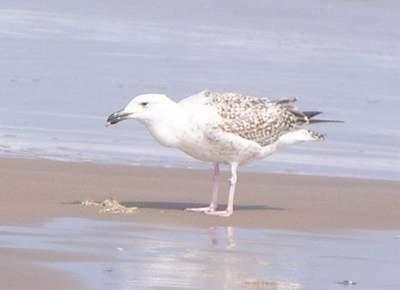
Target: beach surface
<point x="66" y="65"/>
<point x="282" y="225"/>
<point x="36" y="190"/>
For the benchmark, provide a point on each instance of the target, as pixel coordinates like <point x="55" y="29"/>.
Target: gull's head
<point x="142" y="108"/>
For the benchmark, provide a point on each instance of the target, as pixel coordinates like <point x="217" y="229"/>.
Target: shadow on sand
<point x="180" y="205"/>
<point x="183" y="205"/>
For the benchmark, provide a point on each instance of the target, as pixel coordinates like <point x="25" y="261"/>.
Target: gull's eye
<point x="144" y="104"/>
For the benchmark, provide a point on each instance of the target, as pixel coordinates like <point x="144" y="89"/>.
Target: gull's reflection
<point x="229" y="237"/>
<point x="155" y="257"/>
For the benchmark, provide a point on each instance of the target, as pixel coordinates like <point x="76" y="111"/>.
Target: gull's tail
<point x="309" y="115"/>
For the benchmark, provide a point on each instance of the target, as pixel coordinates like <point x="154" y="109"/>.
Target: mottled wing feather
<point x="259" y="120"/>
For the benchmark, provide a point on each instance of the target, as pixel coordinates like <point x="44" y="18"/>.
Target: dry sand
<point x="36" y="190"/>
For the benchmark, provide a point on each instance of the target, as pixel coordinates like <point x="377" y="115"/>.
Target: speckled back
<point x="260" y="120"/>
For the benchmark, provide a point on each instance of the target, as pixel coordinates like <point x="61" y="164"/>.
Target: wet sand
<point x="127" y="255"/>
<point x="40" y="210"/>
<point x="25" y="269"/>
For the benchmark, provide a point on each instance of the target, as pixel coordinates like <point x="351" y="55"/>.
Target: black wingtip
<point x="314" y="121"/>
<point x="311" y="114"/>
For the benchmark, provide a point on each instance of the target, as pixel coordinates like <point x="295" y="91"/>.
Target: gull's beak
<point x="116" y="117"/>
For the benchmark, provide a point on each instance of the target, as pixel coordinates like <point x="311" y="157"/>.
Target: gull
<point x="227" y="128"/>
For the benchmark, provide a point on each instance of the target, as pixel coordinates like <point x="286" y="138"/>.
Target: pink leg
<point x="214" y="201"/>
<point x="229" y="208"/>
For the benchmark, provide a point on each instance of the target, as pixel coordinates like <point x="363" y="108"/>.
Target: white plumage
<point x="220" y="128"/>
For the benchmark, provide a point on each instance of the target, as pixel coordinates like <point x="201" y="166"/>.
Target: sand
<point x="34" y="192"/>
<point x="37" y="190"/>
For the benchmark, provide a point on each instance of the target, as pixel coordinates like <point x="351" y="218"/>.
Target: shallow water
<point x="66" y="66"/>
<point x="138" y="256"/>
